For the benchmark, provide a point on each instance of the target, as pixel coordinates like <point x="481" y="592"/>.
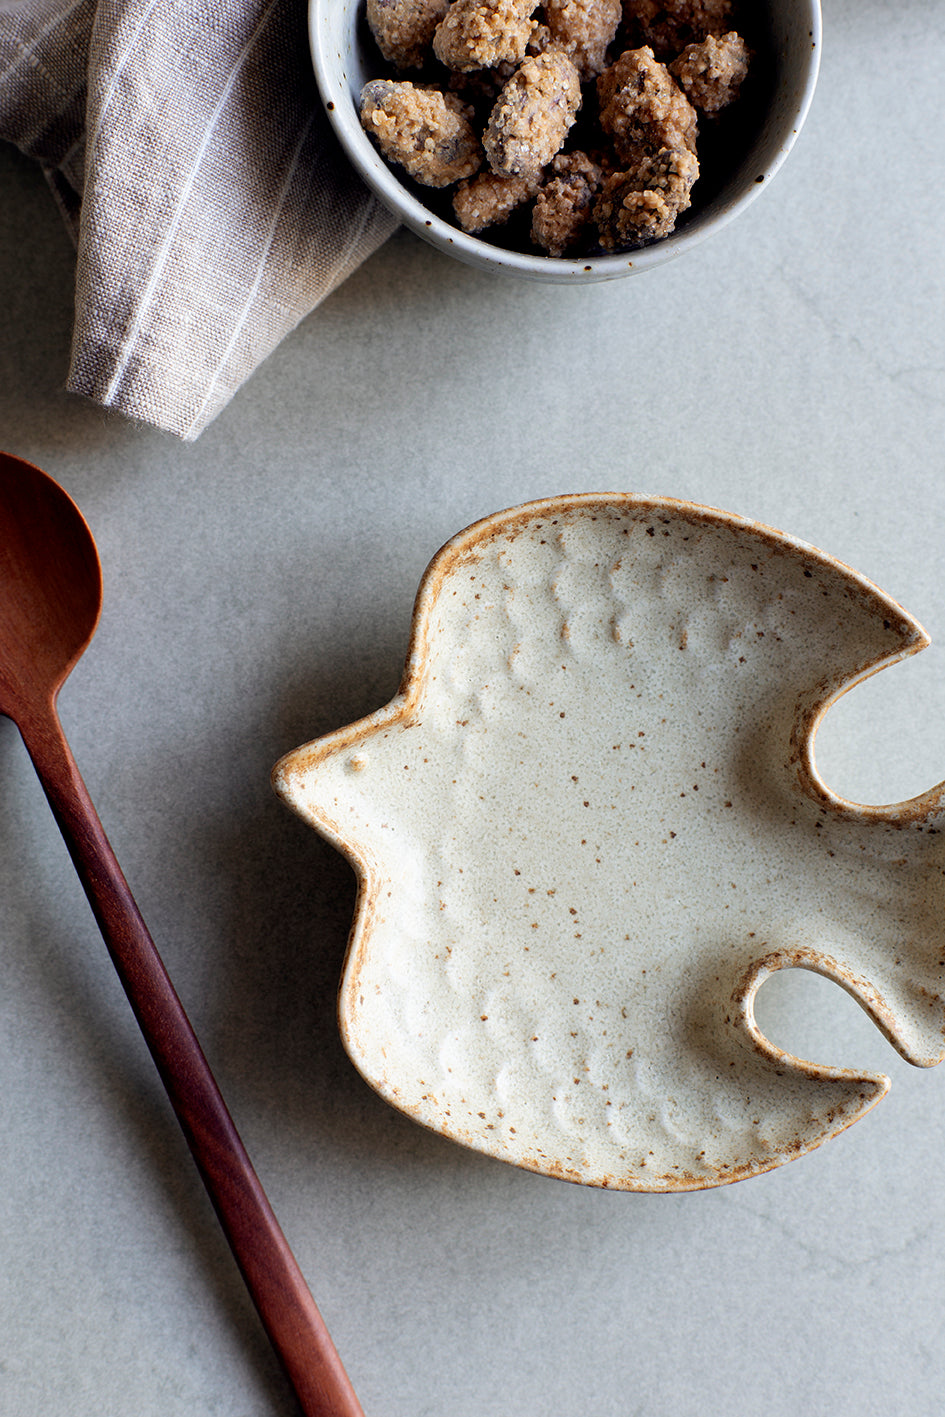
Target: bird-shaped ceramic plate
<point x="590" y="824"/>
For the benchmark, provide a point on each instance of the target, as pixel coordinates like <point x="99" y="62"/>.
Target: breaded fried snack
<point x="584" y="29"/>
<point x="533" y="114"/>
<point x="641" y="205"/>
<point x="667" y="26"/>
<point x="479" y="34"/>
<point x="710" y="74"/>
<point x="642" y="107"/>
<point x="565" y="202"/>
<point x="487" y="200"/>
<point x="424" y="130"/>
<point x="403" y="29"/>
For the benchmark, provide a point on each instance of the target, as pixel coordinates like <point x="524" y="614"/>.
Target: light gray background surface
<point x="258" y="592"/>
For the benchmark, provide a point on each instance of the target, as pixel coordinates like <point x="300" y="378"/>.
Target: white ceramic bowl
<point x="344" y="60"/>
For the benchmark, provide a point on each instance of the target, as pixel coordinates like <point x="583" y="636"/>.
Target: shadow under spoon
<point x="50" y="599"/>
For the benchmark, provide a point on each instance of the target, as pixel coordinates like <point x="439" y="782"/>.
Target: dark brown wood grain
<point x="50" y="595"/>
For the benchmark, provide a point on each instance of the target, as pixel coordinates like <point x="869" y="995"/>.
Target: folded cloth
<point x="210" y="204"/>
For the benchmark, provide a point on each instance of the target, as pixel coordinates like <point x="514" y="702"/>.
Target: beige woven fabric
<point x="211" y="207"/>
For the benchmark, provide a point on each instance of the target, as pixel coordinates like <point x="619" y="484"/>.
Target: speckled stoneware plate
<point x="590" y="825"/>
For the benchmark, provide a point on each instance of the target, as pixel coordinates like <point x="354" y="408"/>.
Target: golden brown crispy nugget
<point x="403" y="29"/>
<point x="711" y="73"/>
<point x="487" y="200"/>
<point x="479" y="34"/>
<point x="584" y="29"/>
<point x="564" y="203"/>
<point x="641" y="205"/>
<point x="642" y="108"/>
<point x="424" y="130"/>
<point x="533" y="114"/>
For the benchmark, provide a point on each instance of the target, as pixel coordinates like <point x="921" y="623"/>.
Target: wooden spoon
<point x="50" y="598"/>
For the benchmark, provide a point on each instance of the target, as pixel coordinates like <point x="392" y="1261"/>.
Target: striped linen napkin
<point x="210" y="205"/>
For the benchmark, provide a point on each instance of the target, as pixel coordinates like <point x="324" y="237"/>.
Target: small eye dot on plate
<point x="357" y="762"/>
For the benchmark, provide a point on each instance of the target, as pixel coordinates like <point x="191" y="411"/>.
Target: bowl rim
<point x="337" y="97"/>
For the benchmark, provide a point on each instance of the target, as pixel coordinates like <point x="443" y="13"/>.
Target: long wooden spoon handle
<point x="278" y="1288"/>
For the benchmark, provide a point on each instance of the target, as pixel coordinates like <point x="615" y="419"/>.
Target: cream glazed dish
<point x="590" y="825"/>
